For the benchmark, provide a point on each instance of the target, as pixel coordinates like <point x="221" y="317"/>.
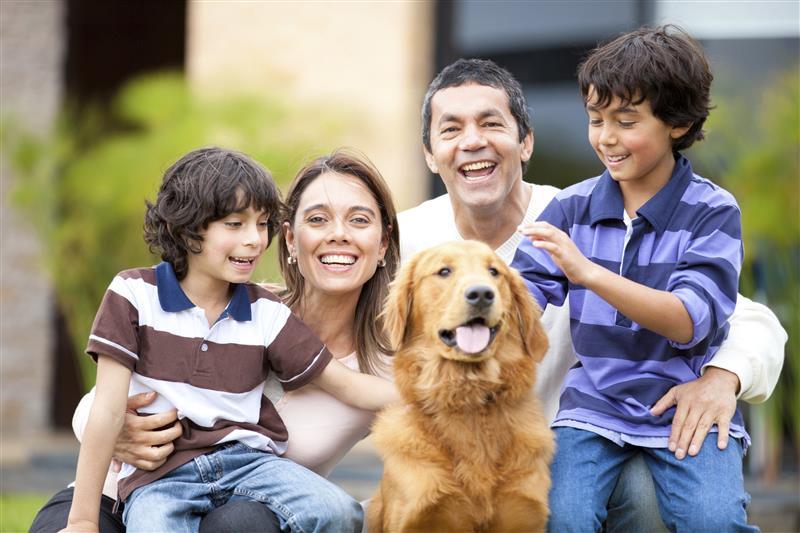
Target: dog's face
<point x="465" y="297"/>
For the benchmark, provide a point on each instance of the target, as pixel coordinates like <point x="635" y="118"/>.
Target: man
<point x="478" y="138"/>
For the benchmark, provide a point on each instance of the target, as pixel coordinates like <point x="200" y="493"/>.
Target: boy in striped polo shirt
<point x="197" y="332"/>
<point x="650" y="255"/>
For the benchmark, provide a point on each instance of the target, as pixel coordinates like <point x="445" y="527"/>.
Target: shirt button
<point x="204" y="347"/>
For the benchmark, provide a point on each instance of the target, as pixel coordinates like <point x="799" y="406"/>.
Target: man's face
<point x="475" y="145"/>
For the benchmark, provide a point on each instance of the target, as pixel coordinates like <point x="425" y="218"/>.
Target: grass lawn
<point x="17" y="510"/>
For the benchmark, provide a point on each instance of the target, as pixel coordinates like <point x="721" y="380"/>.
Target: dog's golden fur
<point x="469" y="450"/>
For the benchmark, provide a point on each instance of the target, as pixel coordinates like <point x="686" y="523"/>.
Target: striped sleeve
<point x="544" y="279"/>
<point x="115" y="331"/>
<point x="297" y="355"/>
<point x="706" y="276"/>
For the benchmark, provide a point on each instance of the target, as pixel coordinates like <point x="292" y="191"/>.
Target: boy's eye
<point x="627" y="123"/>
<point x="595" y="122"/>
<point x="233" y="223"/>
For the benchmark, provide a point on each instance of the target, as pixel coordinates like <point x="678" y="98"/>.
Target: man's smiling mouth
<point x="478" y="169"/>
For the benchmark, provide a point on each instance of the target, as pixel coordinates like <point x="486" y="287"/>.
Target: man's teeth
<point x="338" y="259"/>
<point x="480" y="165"/>
<point x="243" y="260"/>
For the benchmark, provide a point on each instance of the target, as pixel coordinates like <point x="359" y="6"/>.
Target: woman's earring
<point x="291" y="260"/>
<point x="381" y="262"/>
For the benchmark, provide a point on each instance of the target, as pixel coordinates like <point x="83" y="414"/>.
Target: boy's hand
<point x="81" y="526"/>
<point x="141" y="442"/>
<point x="708" y="400"/>
<point x="575" y="266"/>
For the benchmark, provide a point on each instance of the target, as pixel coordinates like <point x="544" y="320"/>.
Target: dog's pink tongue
<point x="472" y="339"/>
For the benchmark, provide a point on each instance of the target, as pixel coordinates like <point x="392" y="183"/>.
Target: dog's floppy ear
<point x="397" y="311"/>
<point x="528" y="316"/>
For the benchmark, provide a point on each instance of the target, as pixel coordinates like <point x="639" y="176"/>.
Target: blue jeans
<point x="302" y="500"/>
<point x="701" y="493"/>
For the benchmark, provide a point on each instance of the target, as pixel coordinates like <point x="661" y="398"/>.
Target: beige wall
<point x="368" y="62"/>
<point x="32" y="40"/>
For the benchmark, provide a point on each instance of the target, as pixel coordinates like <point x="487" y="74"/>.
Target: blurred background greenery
<point x="85" y="185"/>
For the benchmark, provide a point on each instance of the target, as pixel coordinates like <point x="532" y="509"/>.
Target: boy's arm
<point x="749" y="361"/>
<point x="141" y="442"/>
<point x="105" y="422"/>
<point x="754" y="350"/>
<point x="363" y="391"/>
<point x="657" y="310"/>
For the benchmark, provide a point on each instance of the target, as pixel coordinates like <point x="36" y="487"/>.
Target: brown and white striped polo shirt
<point x="214" y="376"/>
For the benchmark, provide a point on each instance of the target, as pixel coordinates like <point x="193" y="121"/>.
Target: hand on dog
<point x="565" y="254"/>
<point x="708" y="400"/>
<point x="141" y="442"/>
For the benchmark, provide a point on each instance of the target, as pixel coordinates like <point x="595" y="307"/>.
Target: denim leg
<point x="584" y="471"/>
<point x="302" y="500"/>
<point x="704" y="492"/>
<point x="173" y="503"/>
<point x="633" y="507"/>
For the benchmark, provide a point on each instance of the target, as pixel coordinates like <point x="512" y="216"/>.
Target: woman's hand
<point x="145" y="441"/>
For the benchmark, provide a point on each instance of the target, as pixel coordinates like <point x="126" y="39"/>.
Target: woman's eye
<point x="360" y="220"/>
<point x="443" y="272"/>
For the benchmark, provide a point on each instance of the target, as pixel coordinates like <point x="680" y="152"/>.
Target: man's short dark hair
<point x="479" y="72"/>
<point x="203" y="186"/>
<point x="662" y="65"/>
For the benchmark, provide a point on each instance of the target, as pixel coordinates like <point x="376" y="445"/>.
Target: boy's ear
<point x="679" y="131"/>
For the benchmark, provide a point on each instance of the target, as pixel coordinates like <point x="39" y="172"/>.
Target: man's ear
<point x="527" y="147"/>
<point x="430" y="160"/>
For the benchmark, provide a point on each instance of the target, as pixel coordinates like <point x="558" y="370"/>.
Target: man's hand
<point x="708" y="400"/>
<point x="141" y="443"/>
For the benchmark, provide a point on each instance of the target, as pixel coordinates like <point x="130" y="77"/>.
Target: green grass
<point x="17" y="510"/>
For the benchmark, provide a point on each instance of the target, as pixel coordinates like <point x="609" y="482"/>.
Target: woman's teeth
<point x="337" y="259"/>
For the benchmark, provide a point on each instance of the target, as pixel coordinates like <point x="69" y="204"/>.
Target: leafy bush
<point x="86" y="187"/>
<point x="754" y="151"/>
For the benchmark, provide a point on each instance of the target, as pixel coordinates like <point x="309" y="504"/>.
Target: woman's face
<point x="337" y="235"/>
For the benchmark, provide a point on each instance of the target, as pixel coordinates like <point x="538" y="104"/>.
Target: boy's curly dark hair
<point x="203" y="186"/>
<point x="662" y="65"/>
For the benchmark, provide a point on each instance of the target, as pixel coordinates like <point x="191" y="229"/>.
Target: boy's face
<point x="231" y="248"/>
<point x="475" y="145"/>
<point x="633" y="144"/>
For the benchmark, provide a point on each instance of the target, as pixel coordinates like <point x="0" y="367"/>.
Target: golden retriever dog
<point x="469" y="448"/>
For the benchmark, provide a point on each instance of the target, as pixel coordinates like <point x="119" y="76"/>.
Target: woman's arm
<point x="364" y="391"/>
<point x="105" y="421"/>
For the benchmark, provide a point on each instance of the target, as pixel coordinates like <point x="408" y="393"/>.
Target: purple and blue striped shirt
<point x="686" y="240"/>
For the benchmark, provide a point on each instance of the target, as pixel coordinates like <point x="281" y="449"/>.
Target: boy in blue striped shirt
<point x="650" y="255"/>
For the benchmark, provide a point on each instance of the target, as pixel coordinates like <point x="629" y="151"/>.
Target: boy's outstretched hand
<point x="575" y="266"/>
<point x="708" y="400"/>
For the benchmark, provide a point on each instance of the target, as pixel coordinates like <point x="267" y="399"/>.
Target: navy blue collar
<point x="173" y="299"/>
<point x="606" y="202"/>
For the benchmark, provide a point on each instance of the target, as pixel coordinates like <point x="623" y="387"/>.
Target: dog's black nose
<point x="479" y="295"/>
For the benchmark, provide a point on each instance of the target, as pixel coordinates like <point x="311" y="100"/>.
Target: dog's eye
<point x="443" y="272"/>
<point x="493" y="271"/>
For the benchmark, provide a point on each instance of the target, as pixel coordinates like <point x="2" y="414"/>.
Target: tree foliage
<point x="86" y="186"/>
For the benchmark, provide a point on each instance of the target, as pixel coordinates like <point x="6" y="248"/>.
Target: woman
<point x="339" y="252"/>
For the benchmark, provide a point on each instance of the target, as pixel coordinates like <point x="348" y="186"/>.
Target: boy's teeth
<point x="241" y="260"/>
<point x="615" y="158"/>
<point x="339" y="259"/>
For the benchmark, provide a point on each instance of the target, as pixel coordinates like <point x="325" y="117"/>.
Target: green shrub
<point x="753" y="150"/>
<point x="86" y="186"/>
